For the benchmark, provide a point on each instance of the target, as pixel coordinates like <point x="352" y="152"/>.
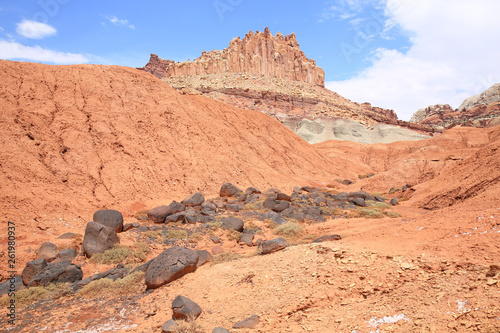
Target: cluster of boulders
<point x="185" y="309"/>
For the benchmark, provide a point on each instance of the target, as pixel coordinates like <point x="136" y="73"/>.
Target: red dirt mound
<point x="77" y="138"/>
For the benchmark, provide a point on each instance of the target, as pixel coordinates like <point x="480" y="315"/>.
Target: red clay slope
<point x="76" y="138"/>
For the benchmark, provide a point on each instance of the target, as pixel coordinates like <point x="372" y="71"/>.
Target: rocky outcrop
<point x="482" y="110"/>
<point x="490" y="95"/>
<point x="257" y="53"/>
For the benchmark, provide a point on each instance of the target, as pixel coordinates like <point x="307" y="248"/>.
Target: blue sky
<point x="393" y="53"/>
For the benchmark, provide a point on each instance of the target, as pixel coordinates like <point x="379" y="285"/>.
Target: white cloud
<point x="13" y="50"/>
<point x="119" y="22"/>
<point x="34" y="29"/>
<point x="454" y="55"/>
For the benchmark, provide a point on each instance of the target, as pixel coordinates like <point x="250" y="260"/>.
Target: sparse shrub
<point x="152" y="234"/>
<point x="225" y="257"/>
<point x="270" y="224"/>
<point x="195" y="237"/>
<point x="122" y="254"/>
<point x="141" y="213"/>
<point x="108" y="288"/>
<point x="214" y="225"/>
<point x="394" y="190"/>
<point x="189" y="326"/>
<point x="289" y="229"/>
<point x="370" y="213"/>
<point x="30" y="295"/>
<point x="177" y="234"/>
<point x="233" y="235"/>
<point x="380" y="205"/>
<point x="393" y="214"/>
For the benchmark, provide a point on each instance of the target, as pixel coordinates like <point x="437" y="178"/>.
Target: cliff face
<point x="258" y="53"/>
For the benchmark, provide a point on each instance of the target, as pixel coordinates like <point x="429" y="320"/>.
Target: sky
<point x="397" y="54"/>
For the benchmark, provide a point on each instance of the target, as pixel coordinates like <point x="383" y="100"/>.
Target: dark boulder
<point x="233" y="223"/>
<point x="170" y="326"/>
<point x="177" y="207"/>
<point x="110" y="218"/>
<point x="177" y="217"/>
<point x="275" y="217"/>
<point x="183" y="309"/>
<point x="158" y="214"/>
<point x="13" y="284"/>
<point x="394" y="201"/>
<point x="306" y="188"/>
<point x="273" y="245"/>
<point x="246" y="238"/>
<point x="48" y="251"/>
<point x="236" y="207"/>
<point x="276" y="205"/>
<point x="195" y="199"/>
<point x="358" y="201"/>
<point x="253" y="190"/>
<point x="68" y="254"/>
<point x="220" y="330"/>
<point x="283" y="197"/>
<point x="56" y="272"/>
<point x="209" y="207"/>
<point x="170" y="265"/>
<point x="204" y="257"/>
<point x="98" y="238"/>
<point x="229" y="190"/>
<point x="32" y="268"/>
<point x="361" y="194"/>
<point x="379" y="199"/>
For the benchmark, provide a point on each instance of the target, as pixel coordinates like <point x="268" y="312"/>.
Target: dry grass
<point x="141" y="213"/>
<point x="225" y="257"/>
<point x="289" y="230"/>
<point x="195" y="238"/>
<point x="122" y="254"/>
<point x="393" y="214"/>
<point x="34" y="294"/>
<point x="233" y="235"/>
<point x="370" y="213"/>
<point x="108" y="288"/>
<point x="176" y="234"/>
<point x="189" y="326"/>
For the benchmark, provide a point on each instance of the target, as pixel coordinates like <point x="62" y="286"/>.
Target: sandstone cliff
<point x="490" y="95"/>
<point x="257" y="53"/>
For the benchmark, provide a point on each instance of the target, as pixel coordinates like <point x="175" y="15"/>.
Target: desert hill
<point x="87" y="136"/>
<point x="272" y="75"/>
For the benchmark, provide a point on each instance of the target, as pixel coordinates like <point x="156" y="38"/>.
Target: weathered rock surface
<point x="55" y="272"/>
<point x="32" y="268"/>
<point x="170" y="265"/>
<point x="233" y="223"/>
<point x="183" y="309"/>
<point x="170" y="326"/>
<point x="257" y="53"/>
<point x="490" y="95"/>
<point x="98" y="238"/>
<point x="118" y="272"/>
<point x="11" y="285"/>
<point x="110" y="218"/>
<point x="273" y="245"/>
<point x="327" y="238"/>
<point x="158" y="214"/>
<point x="195" y="199"/>
<point x="250" y="322"/>
<point x="229" y="190"/>
<point x="47" y="251"/>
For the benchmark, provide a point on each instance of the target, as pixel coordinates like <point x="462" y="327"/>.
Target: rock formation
<point x="482" y="110"/>
<point x="257" y="53"/>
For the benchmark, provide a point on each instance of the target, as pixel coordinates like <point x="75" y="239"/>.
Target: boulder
<point x="158" y="214"/>
<point x="361" y="194"/>
<point x="142" y="268"/>
<point x="232" y="223"/>
<point x="306" y="189"/>
<point x="129" y="226"/>
<point x="110" y="218"/>
<point x="283" y="197"/>
<point x="273" y="245"/>
<point x="32" y="268"/>
<point x="170" y="265"/>
<point x="209" y="207"/>
<point x="98" y="238"/>
<point x="56" y="272"/>
<point x="183" y="309"/>
<point x="12" y="285"/>
<point x="246" y="238"/>
<point x="358" y="201"/>
<point x="170" y="326"/>
<point x="68" y="254"/>
<point x="177" y="207"/>
<point x="250" y="322"/>
<point x="276" y="205"/>
<point x="327" y="238"/>
<point x="229" y="190"/>
<point x="204" y="257"/>
<point x="275" y="217"/>
<point x="394" y="201"/>
<point x="119" y="272"/>
<point x="47" y="251"/>
<point x="195" y="199"/>
<point x="379" y="199"/>
<point x="253" y="190"/>
<point x="177" y="217"/>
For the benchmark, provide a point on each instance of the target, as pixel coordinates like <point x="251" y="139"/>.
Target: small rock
<point x="158" y="214"/>
<point x="276" y="205"/>
<point x="205" y="257"/>
<point x="47" y="251"/>
<point x="183" y="308"/>
<point x="32" y="268"/>
<point x="195" y="199"/>
<point x="283" y="197"/>
<point x="220" y="330"/>
<point x="217" y="250"/>
<point x="394" y="201"/>
<point x="250" y="322"/>
<point x="69" y="235"/>
<point x="229" y="190"/>
<point x="233" y="223"/>
<point x="177" y="207"/>
<point x="170" y="326"/>
<point x="170" y="265"/>
<point x="246" y="238"/>
<point x="273" y="245"/>
<point x="110" y="218"/>
<point x="68" y="254"/>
